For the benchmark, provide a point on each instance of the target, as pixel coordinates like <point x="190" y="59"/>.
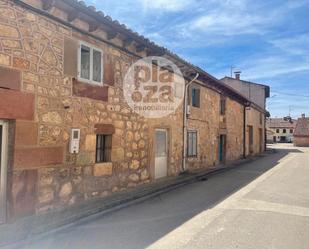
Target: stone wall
<point x="45" y="175"/>
<point x="256" y="119"/>
<point x="209" y="124"/>
<point x="235" y="134"/>
<point x="46" y="101"/>
<point x="205" y="120"/>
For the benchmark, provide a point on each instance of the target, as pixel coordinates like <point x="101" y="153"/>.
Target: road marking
<point x="264" y="206"/>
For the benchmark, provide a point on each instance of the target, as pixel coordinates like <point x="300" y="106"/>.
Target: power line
<point x="292" y="94"/>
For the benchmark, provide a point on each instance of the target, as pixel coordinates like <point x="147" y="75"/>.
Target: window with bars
<point x="192" y="144"/>
<point x="90" y="64"/>
<point x="103" y="148"/>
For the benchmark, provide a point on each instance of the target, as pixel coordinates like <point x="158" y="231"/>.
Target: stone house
<point x="256" y="113"/>
<point x="301" y="134"/>
<point x="50" y="102"/>
<point x="283" y="129"/>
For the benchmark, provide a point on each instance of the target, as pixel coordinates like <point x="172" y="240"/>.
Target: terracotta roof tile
<point x="302" y="127"/>
<point x="281" y="123"/>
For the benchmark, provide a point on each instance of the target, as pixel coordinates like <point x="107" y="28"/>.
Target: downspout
<point x="244" y="131"/>
<point x="185" y="124"/>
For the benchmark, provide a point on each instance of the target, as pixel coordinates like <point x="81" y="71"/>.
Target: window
<point x="90" y="64"/>
<point x="103" y="148"/>
<point x="261" y="118"/>
<point x="284" y="130"/>
<point x="222" y="105"/>
<point x="192" y="144"/>
<point x="195" y="97"/>
<point x="277" y="131"/>
<point x="250" y="127"/>
<point x="291" y="131"/>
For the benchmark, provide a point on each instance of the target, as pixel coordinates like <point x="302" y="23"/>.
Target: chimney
<point x="237" y="75"/>
<point x="303" y="115"/>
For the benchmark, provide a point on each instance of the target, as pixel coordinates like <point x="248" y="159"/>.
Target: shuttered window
<point x="192" y="144"/>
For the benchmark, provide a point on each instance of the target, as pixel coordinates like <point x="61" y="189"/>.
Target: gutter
<point x="185" y="124"/>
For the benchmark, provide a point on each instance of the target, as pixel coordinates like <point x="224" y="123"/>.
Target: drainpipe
<point x="185" y="124"/>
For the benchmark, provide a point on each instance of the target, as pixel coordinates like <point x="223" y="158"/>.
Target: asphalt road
<point x="263" y="204"/>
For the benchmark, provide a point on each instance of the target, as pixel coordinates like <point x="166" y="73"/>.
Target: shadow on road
<point x="141" y="225"/>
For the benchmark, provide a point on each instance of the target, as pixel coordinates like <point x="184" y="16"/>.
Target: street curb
<point x="41" y="226"/>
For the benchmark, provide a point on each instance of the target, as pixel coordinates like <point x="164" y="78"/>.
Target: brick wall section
<point x="301" y="141"/>
<point x="16" y="105"/>
<point x="10" y="78"/>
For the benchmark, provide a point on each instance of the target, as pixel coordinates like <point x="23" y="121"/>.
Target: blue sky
<point x="267" y="40"/>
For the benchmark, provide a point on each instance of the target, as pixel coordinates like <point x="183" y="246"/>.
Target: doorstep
<point x="40" y="225"/>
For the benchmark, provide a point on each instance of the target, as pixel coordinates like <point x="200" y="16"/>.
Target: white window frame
<point x="91" y="47"/>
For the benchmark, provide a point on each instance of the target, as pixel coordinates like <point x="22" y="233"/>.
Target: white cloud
<point x="166" y="5"/>
<point x="272" y="66"/>
<point x="228" y="23"/>
<point x="237" y="17"/>
<point x="296" y="45"/>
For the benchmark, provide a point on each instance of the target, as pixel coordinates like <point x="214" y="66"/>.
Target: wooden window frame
<point x="103" y="150"/>
<point x="92" y="49"/>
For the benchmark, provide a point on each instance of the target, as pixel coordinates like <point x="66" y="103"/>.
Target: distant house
<point x="283" y="130"/>
<point x="270" y="135"/>
<point x="301" y="133"/>
<point x="255" y="114"/>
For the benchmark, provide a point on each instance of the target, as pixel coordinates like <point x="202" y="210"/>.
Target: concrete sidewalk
<point x="52" y="222"/>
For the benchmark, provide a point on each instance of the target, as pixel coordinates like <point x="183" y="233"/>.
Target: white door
<point x="161" y="154"/>
<point x="3" y="169"/>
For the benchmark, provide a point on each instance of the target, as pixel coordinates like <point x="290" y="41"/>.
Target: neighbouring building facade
<point x="301" y="133"/>
<point x="255" y="114"/>
<point x="282" y="129"/>
<point x="67" y="134"/>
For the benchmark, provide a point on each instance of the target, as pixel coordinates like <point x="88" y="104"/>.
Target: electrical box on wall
<point x="74" y="142"/>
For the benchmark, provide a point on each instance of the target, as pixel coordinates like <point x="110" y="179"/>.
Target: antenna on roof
<point x="232" y="70"/>
<point x="236" y="71"/>
<point x="290" y="110"/>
